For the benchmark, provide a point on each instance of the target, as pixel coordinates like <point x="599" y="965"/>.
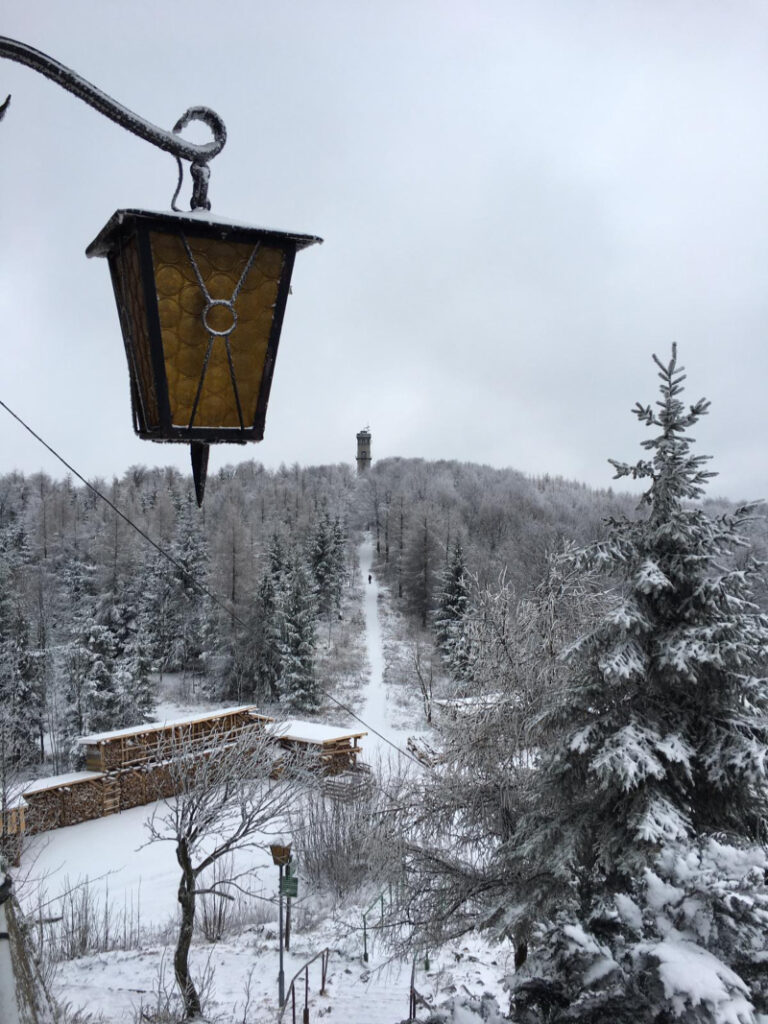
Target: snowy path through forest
<point x="140" y="882"/>
<point x="375" y="708"/>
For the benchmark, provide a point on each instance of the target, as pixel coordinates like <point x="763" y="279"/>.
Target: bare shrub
<point x="80" y="922"/>
<point x="165" y="1005"/>
<point x="217" y="901"/>
<point x="69" y="1014"/>
<point x="344" y="845"/>
<point x="223" y="909"/>
<point x="245" y="1015"/>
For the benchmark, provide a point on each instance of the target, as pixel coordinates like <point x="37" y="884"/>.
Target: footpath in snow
<point x="140" y="883"/>
<point x="375" y="708"/>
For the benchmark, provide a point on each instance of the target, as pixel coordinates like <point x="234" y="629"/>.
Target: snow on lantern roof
<point x="311" y="732"/>
<point x="199" y="220"/>
<point x="140" y="730"/>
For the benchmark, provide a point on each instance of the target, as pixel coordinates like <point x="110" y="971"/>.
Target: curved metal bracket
<point x="198" y="155"/>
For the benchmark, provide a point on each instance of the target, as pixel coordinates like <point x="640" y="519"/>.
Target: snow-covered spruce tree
<point x="452" y="607"/>
<point x="184" y="606"/>
<point x="136" y="688"/>
<point x="266" y="639"/>
<point x="297" y="617"/>
<point x="325" y="557"/>
<point x="638" y="867"/>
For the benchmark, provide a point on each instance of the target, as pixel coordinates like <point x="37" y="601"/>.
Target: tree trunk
<point x="181" y="956"/>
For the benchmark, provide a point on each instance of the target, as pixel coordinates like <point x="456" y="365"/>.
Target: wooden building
<point x="124" y="768"/>
<point x="130" y="767"/>
<point x="328" y="748"/>
<point x="145" y="744"/>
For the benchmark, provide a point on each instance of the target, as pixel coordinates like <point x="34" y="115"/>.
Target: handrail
<point x="324" y="954"/>
<point x="378" y="900"/>
<point x="372" y="904"/>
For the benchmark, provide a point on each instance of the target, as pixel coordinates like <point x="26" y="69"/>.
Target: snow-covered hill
<point x="131" y="890"/>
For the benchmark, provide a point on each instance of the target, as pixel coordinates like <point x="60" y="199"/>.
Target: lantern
<point x="281" y="853"/>
<point x="201" y="306"/>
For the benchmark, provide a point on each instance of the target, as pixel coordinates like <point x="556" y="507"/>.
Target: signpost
<point x="289" y="887"/>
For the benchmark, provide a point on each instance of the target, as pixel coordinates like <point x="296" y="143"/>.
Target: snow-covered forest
<point x="573" y="680"/>
<point x="241" y="598"/>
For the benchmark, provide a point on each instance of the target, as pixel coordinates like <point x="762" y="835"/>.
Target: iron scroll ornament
<point x="198" y="155"/>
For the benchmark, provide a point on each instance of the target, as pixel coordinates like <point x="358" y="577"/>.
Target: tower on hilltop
<point x="363" y="450"/>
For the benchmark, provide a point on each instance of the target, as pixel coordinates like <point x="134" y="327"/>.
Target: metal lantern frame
<point x="126" y="242"/>
<point x="220" y="357"/>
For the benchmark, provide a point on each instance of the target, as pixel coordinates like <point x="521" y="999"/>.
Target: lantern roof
<point x="201" y="222"/>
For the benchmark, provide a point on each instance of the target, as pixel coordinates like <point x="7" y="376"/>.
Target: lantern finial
<point x="199" y="452"/>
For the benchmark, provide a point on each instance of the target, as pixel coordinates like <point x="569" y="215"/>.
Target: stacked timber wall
<point x="127" y="768"/>
<point x="131" y="767"/>
<point x="127" y="748"/>
<point x="66" y="803"/>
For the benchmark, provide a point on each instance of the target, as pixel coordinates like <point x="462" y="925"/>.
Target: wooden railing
<point x="346" y="787"/>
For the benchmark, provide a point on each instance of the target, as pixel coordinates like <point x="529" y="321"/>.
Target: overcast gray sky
<point x="521" y="202"/>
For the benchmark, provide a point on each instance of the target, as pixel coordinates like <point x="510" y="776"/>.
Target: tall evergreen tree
<point x="136" y="688"/>
<point x="641" y="857"/>
<point x="186" y="612"/>
<point x="451" y="612"/>
<point x="627" y="861"/>
<point x="266" y="639"/>
<point x="297" y="616"/>
<point x="326" y="560"/>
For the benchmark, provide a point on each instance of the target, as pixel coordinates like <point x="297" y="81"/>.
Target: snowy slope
<point x="140" y="882"/>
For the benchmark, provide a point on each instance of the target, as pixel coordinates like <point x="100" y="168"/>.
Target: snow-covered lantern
<point x="281" y="852"/>
<point x="201" y="304"/>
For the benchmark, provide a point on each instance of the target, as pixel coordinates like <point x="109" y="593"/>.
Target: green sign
<point x="289" y="885"/>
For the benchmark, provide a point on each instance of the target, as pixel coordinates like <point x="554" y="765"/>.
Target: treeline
<point x="501" y="520"/>
<point x="232" y="594"/>
<point x="241" y="590"/>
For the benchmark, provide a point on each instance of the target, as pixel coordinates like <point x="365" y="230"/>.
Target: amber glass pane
<point x="181" y="305"/>
<point x="130" y="301"/>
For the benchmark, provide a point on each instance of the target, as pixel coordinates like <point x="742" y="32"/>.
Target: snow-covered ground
<point x="140" y="882"/>
<point x="375" y="709"/>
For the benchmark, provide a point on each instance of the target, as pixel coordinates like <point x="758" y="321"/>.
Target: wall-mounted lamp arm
<point x="198" y="155"/>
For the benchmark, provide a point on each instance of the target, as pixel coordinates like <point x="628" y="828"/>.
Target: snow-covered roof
<point x="56" y="781"/>
<point x="102" y="243"/>
<point x="311" y="732"/>
<point x="140" y="730"/>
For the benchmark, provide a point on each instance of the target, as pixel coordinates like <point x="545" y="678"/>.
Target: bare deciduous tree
<point x="225" y="801"/>
<point x="423" y="669"/>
